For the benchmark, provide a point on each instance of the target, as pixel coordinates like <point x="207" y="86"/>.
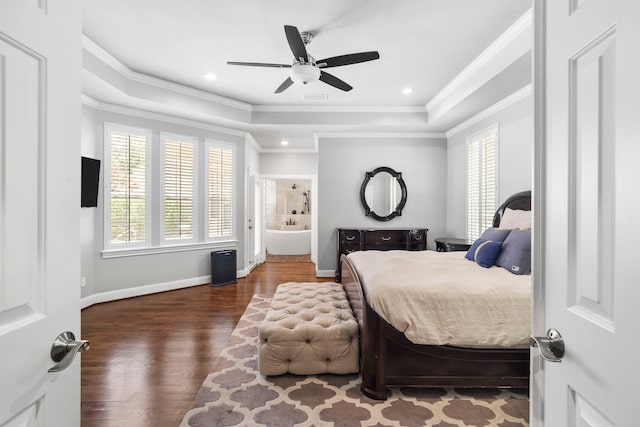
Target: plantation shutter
<point x="128" y="187"/>
<point x="179" y="189"/>
<point x="220" y="191"/>
<point x="473" y="189"/>
<point x="481" y="181"/>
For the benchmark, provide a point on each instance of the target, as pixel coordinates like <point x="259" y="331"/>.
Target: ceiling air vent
<point x="315" y="97"/>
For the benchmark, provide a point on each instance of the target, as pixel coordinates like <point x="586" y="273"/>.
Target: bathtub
<point x="288" y="242"/>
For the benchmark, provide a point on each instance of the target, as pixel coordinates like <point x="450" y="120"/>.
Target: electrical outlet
<point x="83" y="282"/>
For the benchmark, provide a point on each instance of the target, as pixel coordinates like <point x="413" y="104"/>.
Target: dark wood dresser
<point x="381" y="239"/>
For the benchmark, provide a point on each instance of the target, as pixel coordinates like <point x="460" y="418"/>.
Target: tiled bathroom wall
<point x="288" y="204"/>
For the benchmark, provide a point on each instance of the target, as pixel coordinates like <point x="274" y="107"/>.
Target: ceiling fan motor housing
<point x="304" y="73"/>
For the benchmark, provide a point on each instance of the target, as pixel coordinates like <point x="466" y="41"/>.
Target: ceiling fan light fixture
<point x="304" y="73"/>
<point x="305" y="69"/>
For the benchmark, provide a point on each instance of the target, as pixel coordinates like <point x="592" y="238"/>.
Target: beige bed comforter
<point x="441" y="298"/>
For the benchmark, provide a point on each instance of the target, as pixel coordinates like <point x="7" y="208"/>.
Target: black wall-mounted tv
<point x="90" y="180"/>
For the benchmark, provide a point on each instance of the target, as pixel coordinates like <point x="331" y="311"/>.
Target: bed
<point x="389" y="358"/>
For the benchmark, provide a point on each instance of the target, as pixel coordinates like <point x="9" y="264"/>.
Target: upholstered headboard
<point x="520" y="201"/>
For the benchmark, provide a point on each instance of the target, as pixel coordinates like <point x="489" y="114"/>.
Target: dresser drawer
<point x="389" y="238"/>
<point x="346" y="249"/>
<point x="417" y="240"/>
<point x="349" y="236"/>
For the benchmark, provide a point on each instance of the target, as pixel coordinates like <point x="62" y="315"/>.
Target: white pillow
<point x="516" y="219"/>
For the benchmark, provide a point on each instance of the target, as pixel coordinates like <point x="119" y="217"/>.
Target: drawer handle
<point x="351" y="237"/>
<point x="386" y="239"/>
<point x="418" y="237"/>
<point x="350" y="250"/>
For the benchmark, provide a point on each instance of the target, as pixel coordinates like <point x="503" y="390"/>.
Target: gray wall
<point x="288" y="163"/>
<point x="133" y="271"/>
<point x="342" y="163"/>
<point x="515" y="160"/>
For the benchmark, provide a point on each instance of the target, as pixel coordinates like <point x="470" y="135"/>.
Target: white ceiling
<point x="423" y="44"/>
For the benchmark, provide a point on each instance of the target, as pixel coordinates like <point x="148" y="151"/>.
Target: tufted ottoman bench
<point x="309" y="329"/>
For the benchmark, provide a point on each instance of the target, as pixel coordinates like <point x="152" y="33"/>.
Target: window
<point x="188" y="202"/>
<point x="481" y="181"/>
<point x="219" y="192"/>
<point x="128" y="197"/>
<point x="178" y="188"/>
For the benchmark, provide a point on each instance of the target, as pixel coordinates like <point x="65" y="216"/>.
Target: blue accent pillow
<point x="495" y="234"/>
<point x="484" y="252"/>
<point x="516" y="252"/>
<point x="470" y="255"/>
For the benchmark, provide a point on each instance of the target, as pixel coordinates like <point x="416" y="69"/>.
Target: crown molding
<point x="498" y="106"/>
<point x="97" y="51"/>
<point x="288" y="151"/>
<point x="90" y="102"/>
<point x="108" y="59"/>
<point x="428" y="135"/>
<point x="145" y="114"/>
<point x="336" y="109"/>
<point x="500" y="45"/>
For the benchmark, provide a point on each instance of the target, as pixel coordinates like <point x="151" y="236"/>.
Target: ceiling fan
<point x="305" y="69"/>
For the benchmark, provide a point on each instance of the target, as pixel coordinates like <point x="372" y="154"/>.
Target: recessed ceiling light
<point x="407" y="90"/>
<point x="210" y="76"/>
<point x="284" y="142"/>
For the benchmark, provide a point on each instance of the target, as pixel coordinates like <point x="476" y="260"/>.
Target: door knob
<point x="551" y="347"/>
<point x="64" y="350"/>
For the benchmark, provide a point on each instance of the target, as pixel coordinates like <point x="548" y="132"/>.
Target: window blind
<point x="481" y="181"/>
<point x="219" y="191"/>
<point x="128" y="187"/>
<point x="179" y="189"/>
<point x="139" y="219"/>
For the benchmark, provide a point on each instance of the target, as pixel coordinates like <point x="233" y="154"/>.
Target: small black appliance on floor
<point x="223" y="267"/>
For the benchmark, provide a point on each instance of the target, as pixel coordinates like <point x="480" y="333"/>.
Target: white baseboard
<point x="146" y="290"/>
<point x="325" y="273"/>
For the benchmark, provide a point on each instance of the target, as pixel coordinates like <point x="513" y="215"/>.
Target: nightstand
<point x="450" y="244"/>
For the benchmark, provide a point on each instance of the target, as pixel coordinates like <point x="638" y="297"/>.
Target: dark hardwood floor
<point x="150" y="354"/>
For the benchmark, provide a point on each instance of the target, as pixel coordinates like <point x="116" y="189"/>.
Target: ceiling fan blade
<point x="295" y="43"/>
<point x="352" y="58"/>
<point x="259" y="64"/>
<point x="285" y="84"/>
<point x="334" y="81"/>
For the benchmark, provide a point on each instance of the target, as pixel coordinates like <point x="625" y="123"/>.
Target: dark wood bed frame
<point x="387" y="358"/>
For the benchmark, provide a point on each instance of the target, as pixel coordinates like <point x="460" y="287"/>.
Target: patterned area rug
<point x="237" y="395"/>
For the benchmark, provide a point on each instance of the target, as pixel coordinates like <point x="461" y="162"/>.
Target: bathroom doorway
<point x="288" y="219"/>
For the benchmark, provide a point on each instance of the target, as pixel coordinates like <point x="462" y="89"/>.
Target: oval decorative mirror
<point x="383" y="193"/>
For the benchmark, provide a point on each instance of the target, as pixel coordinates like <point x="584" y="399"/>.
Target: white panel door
<point x="251" y="222"/>
<point x="39" y="208"/>
<point x="589" y="212"/>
